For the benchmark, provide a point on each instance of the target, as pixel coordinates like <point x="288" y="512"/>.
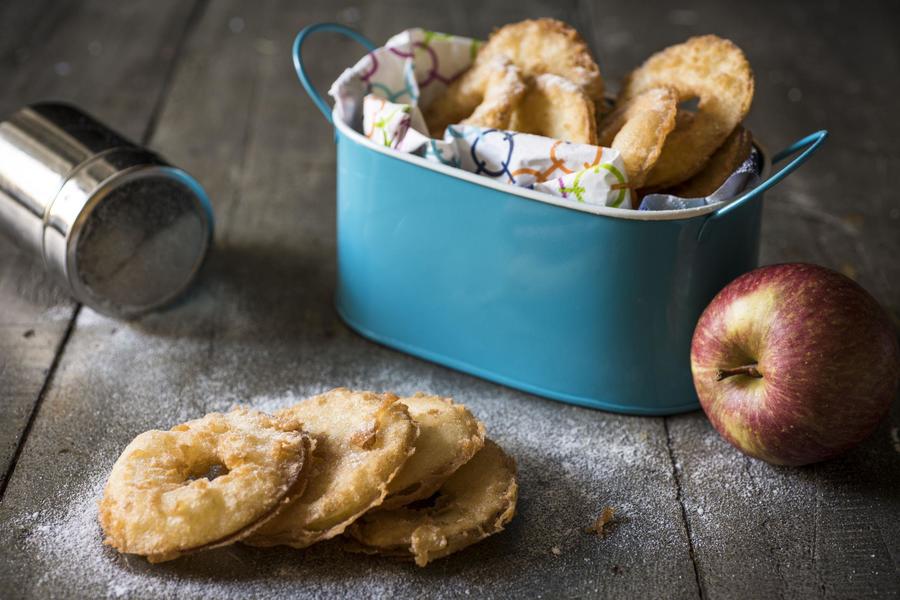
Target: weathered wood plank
<point x="763" y="532"/>
<point x="830" y="530"/>
<point x="111" y="59"/>
<point x="259" y="328"/>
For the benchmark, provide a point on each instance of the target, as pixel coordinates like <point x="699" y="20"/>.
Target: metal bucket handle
<point x="808" y="145"/>
<point x="301" y="68"/>
<point x="805" y="146"/>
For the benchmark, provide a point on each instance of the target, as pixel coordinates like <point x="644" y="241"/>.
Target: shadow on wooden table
<point x="871" y="470"/>
<point x="254" y="290"/>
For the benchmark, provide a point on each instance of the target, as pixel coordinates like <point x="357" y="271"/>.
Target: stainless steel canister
<point x="123" y="230"/>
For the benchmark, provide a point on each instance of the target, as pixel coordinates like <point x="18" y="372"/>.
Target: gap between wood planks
<point x="679" y="496"/>
<point x="585" y="18"/>
<point x="190" y="24"/>
<point x="57" y="355"/>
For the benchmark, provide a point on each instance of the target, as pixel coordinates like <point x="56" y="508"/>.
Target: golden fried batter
<point x="160" y="502"/>
<point x="721" y="165"/>
<point x="711" y="69"/>
<point x="449" y="435"/>
<point x="638" y="129"/>
<point x="475" y="502"/>
<point x="503" y="91"/>
<point x="539" y="46"/>
<point x="484" y="95"/>
<point x="362" y="441"/>
<point x="556" y="108"/>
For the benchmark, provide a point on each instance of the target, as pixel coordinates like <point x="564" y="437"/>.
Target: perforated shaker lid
<point x="139" y="241"/>
<point x="123" y="229"/>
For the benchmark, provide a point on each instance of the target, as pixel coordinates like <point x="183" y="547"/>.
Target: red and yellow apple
<point x="795" y="363"/>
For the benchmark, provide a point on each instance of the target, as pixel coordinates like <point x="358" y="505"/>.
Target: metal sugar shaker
<point x="123" y="230"/>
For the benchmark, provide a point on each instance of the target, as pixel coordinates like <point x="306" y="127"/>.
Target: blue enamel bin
<point x="588" y="305"/>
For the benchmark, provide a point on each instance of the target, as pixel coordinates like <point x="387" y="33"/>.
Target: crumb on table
<point x="604" y="523"/>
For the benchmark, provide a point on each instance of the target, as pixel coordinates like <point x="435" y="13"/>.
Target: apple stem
<point x="748" y="370"/>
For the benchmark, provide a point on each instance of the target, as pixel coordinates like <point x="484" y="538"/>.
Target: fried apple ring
<point x="160" y="501"/>
<point x="503" y="91"/>
<point x="638" y="130"/>
<point x="539" y="46"/>
<point x="556" y="108"/>
<point x="478" y="500"/>
<point x="709" y="68"/>
<point x="362" y="441"/>
<point x="449" y="435"/>
<point x="684" y="118"/>
<point x="721" y="165"/>
<point x="484" y="95"/>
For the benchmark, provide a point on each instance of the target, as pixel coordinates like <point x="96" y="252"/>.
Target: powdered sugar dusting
<point x="117" y="380"/>
<point x="572" y="462"/>
<point x="551" y="80"/>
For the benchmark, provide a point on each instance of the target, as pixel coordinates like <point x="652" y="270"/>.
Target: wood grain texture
<point x="112" y="60"/>
<point x="831" y="530"/>
<point x="260" y="328"/>
<point x="697" y="519"/>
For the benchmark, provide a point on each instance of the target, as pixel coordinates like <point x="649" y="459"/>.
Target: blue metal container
<point x="589" y="305"/>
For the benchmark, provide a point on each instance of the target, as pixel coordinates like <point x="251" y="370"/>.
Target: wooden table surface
<point x="210" y="85"/>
